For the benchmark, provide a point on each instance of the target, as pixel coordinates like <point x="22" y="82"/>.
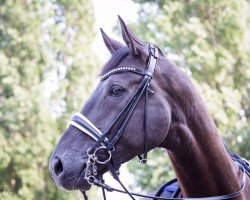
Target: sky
<point x="106" y="12"/>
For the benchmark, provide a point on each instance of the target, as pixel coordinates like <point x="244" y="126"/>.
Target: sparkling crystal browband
<point x="122" y="69"/>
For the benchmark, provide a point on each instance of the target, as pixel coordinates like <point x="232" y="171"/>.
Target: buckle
<point x="153" y="50"/>
<point x="142" y="160"/>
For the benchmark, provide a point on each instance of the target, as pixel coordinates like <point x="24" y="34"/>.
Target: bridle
<point x="116" y="129"/>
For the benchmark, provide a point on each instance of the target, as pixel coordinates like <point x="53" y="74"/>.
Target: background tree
<point x="209" y="40"/>
<point x="47" y="67"/>
<point x="45" y="55"/>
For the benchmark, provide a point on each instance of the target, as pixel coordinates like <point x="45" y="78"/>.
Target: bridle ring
<point x="91" y="179"/>
<point x="105" y="161"/>
<point x="95" y="157"/>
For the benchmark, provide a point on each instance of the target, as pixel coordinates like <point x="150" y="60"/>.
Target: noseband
<point x="116" y="129"/>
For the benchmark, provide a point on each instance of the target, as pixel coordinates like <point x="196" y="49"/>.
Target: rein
<point x="115" y="131"/>
<point x="93" y="158"/>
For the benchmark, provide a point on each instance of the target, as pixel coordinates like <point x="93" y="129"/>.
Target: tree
<point x="209" y="40"/>
<point x="45" y="53"/>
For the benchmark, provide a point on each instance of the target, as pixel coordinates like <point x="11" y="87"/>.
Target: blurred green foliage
<point x="45" y="56"/>
<point x="209" y="39"/>
<point x="47" y="69"/>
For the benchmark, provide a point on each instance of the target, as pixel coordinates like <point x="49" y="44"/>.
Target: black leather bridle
<point x="106" y="144"/>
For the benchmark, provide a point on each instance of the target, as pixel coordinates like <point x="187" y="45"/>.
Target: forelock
<point x="115" y="60"/>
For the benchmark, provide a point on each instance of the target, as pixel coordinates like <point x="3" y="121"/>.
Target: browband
<point x="135" y="70"/>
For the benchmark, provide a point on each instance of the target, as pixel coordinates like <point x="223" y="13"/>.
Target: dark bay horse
<point x="143" y="102"/>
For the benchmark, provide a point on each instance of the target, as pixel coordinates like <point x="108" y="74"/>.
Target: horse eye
<point x="116" y="90"/>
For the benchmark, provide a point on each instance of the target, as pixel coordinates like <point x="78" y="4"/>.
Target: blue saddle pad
<point x="170" y="189"/>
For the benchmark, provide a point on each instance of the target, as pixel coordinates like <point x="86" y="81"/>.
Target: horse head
<point x="128" y="100"/>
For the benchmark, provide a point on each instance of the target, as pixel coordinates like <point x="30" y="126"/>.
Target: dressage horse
<point x="144" y="102"/>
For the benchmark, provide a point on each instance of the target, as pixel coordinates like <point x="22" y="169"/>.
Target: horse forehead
<point x="125" y="79"/>
<point x="131" y="60"/>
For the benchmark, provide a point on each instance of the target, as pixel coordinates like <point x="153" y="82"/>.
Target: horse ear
<point x="111" y="44"/>
<point x="133" y="42"/>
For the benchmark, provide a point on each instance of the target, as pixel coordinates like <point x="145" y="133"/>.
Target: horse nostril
<point x="58" y="166"/>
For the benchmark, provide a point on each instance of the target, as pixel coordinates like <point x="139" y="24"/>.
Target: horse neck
<point x="196" y="150"/>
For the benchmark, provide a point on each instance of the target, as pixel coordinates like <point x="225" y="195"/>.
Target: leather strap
<point x="135" y="70"/>
<point x="221" y="197"/>
<point x="83" y="124"/>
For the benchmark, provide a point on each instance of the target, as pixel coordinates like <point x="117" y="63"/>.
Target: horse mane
<point x="114" y="60"/>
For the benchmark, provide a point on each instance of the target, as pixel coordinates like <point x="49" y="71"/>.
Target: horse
<point x="143" y="102"/>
